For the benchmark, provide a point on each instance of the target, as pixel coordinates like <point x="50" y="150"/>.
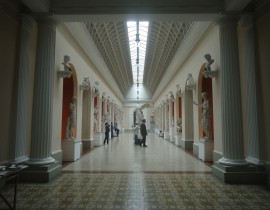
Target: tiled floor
<point x="124" y="176"/>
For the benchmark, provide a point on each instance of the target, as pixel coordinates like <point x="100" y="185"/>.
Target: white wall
<point x="209" y="43"/>
<point x="65" y="45"/>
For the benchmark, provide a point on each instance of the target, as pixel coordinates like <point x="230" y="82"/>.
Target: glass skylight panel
<point x="137" y="69"/>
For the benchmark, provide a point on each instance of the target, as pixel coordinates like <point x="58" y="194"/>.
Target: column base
<point x="88" y="143"/>
<point x="98" y="139"/>
<point x="41" y="173"/>
<point x="249" y="174"/>
<point x="187" y="144"/>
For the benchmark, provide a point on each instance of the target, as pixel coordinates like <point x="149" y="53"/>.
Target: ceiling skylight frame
<point x="137" y="69"/>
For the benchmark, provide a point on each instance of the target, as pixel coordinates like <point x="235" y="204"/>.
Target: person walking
<point x="143" y="133"/>
<point x="107" y="131"/>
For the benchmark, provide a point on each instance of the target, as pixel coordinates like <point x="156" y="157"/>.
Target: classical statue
<point x="95" y="119"/>
<point x="85" y="84"/>
<point x="209" y="73"/>
<point x="179" y="125"/>
<point x="66" y="73"/>
<point x="210" y="61"/>
<point x="65" y="63"/>
<point x="71" y="121"/>
<point x="139" y="113"/>
<point x="205" y="115"/>
<point x="96" y="89"/>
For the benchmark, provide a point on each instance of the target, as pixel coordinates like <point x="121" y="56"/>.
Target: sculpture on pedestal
<point x="95" y="119"/>
<point x="71" y="121"/>
<point x="205" y="115"/>
<point x="208" y="71"/>
<point x="179" y="125"/>
<point x="139" y="113"/>
<point x="67" y="72"/>
<point x="96" y="89"/>
<point x="85" y="84"/>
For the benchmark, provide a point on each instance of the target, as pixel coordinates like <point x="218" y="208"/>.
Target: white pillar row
<point x="176" y="112"/>
<point x="171" y="119"/>
<point x="232" y="131"/>
<point x="20" y="139"/>
<point x="163" y="107"/>
<point x="100" y="108"/>
<point x="41" y="141"/>
<point x="167" y="116"/>
<point x="250" y="82"/>
<point x="92" y="118"/>
<point x="112" y="112"/>
<point x="103" y="115"/>
<point x="170" y="113"/>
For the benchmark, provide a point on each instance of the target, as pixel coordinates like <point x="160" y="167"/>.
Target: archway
<point x="69" y="90"/>
<point x="205" y="85"/>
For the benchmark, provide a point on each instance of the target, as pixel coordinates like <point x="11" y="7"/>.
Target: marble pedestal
<point x="177" y="139"/>
<point x="166" y="135"/>
<point x="98" y="139"/>
<point x="71" y="149"/>
<point x="206" y="150"/>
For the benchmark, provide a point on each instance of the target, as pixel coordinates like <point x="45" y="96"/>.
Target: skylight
<point x="137" y="33"/>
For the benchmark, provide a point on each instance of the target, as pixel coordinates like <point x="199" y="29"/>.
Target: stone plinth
<point x="98" y="139"/>
<point x="71" y="149"/>
<point x="166" y="135"/>
<point x="206" y="150"/>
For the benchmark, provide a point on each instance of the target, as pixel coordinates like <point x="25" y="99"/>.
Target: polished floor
<point x="123" y="176"/>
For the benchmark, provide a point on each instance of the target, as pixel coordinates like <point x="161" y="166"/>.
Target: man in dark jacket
<point x="143" y="133"/>
<point x="107" y="131"/>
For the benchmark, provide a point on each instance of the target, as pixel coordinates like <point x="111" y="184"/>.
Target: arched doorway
<point x="69" y="90"/>
<point x="206" y="144"/>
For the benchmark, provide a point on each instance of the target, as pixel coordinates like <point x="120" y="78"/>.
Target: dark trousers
<point x="106" y="138"/>
<point x="143" y="140"/>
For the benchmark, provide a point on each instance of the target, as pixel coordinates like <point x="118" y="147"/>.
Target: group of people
<point x="140" y="133"/>
<point x="111" y="128"/>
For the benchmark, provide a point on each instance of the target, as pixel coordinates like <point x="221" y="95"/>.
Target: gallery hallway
<point x="122" y="175"/>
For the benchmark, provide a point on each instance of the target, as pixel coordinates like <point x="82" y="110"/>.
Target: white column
<point x="232" y="131"/>
<point x="92" y="119"/>
<point x="163" y="108"/>
<point x="112" y="112"/>
<point x="23" y="82"/>
<point x="170" y="113"/>
<point x="176" y="112"/>
<point x="40" y="153"/>
<point x="253" y="118"/>
<point x="99" y="106"/>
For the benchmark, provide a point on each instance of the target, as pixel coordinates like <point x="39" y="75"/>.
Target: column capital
<point x="27" y="21"/>
<point x="228" y="19"/>
<point x="45" y="19"/>
<point x="247" y="21"/>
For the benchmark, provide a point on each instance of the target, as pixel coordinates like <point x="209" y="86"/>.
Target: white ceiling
<point x="104" y="22"/>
